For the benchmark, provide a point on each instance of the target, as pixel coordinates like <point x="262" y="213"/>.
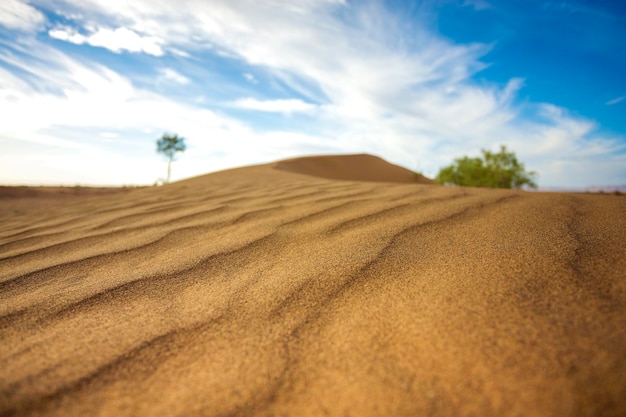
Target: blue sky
<point x="87" y="86"/>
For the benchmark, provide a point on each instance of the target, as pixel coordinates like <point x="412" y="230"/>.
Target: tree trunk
<point x="169" y="170"/>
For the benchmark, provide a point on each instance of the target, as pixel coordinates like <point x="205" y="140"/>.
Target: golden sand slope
<point x="20" y="200"/>
<point x="259" y="292"/>
<point x="351" y="168"/>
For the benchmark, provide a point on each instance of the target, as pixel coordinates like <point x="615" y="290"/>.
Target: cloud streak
<point x="15" y="14"/>
<point x="615" y="101"/>
<point x="287" y="106"/>
<point x="116" y="40"/>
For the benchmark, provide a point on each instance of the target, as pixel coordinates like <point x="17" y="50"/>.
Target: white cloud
<point x="67" y="34"/>
<point x="19" y="15"/>
<point x="169" y="74"/>
<point x="116" y="40"/>
<point x="274" y="106"/>
<point x="250" y="78"/>
<point x="178" y="52"/>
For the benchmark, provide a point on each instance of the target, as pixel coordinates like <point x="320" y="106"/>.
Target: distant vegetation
<point x="493" y="170"/>
<point x="169" y="145"/>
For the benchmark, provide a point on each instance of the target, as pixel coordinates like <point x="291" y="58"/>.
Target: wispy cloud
<point x="116" y="40"/>
<point x="287" y="106"/>
<point x="168" y="74"/>
<point x="18" y="15"/>
<point x="250" y="78"/>
<point x="615" y="101"/>
<point x="477" y="4"/>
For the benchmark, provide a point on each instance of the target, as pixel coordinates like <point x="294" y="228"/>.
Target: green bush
<point x="493" y="170"/>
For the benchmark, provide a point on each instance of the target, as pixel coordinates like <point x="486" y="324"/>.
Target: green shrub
<point x="493" y="170"/>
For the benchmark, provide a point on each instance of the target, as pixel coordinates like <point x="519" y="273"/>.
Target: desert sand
<point x="317" y="286"/>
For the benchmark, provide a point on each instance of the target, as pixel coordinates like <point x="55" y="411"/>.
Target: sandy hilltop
<point x="315" y="286"/>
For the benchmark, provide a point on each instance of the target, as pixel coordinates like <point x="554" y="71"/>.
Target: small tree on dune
<point x="494" y="170"/>
<point x="169" y="145"/>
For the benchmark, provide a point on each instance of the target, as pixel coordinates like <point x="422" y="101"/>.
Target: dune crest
<point x="260" y="292"/>
<point x="361" y="167"/>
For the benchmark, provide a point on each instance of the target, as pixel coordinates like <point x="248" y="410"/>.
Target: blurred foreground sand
<point x="261" y="291"/>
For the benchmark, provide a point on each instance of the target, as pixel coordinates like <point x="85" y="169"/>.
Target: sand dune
<point x="351" y="168"/>
<point x="263" y="292"/>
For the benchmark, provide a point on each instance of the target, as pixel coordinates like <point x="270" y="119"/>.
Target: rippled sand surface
<point x="266" y="292"/>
